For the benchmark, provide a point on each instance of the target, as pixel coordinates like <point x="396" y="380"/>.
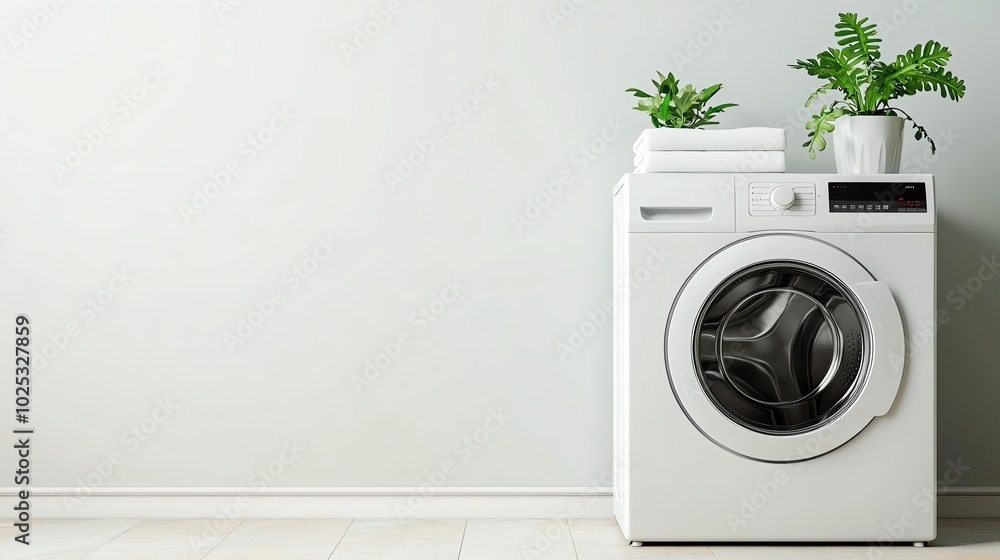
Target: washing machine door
<point x="782" y="348"/>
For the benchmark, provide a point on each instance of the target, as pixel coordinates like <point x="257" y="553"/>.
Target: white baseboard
<point x="384" y="503"/>
<point x="970" y="502"/>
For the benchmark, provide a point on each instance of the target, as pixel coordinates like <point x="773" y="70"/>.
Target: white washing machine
<point x="775" y="379"/>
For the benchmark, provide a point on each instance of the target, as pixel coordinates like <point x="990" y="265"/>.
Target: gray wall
<point x="492" y="349"/>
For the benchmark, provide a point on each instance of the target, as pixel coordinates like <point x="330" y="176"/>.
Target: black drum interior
<point x="781" y="347"/>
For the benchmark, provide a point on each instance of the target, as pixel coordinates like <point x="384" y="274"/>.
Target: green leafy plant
<point x="673" y="106"/>
<point x="869" y="85"/>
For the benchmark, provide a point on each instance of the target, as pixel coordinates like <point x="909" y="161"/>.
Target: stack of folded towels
<point x="687" y="150"/>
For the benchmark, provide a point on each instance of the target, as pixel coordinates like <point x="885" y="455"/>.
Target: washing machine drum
<point x="781" y="348"/>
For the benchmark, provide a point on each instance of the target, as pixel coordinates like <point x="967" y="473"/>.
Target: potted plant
<point x="679" y="143"/>
<point x="868" y="136"/>
<point x="672" y="106"/>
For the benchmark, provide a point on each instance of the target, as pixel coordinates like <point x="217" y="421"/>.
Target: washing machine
<point x="774" y="358"/>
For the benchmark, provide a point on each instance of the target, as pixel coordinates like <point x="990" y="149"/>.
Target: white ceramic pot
<point x="868" y="144"/>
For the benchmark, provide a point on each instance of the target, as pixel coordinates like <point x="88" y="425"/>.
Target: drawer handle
<point x="658" y="214"/>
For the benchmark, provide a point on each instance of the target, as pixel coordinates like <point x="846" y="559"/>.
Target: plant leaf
<point x="821" y="124"/>
<point x="822" y="90"/>
<point x="678" y="107"/>
<point x="922" y="68"/>
<point x="858" y="38"/>
<point x="708" y="92"/>
<point x="672" y="84"/>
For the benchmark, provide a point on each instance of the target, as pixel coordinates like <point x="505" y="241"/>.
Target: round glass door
<point x="780" y="348"/>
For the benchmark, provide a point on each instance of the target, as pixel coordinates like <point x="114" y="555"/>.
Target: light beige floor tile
<point x="418" y="539"/>
<point x="766" y="552"/>
<point x="665" y="552"/>
<point x="284" y="539"/>
<point x="597" y="539"/>
<point x="967" y="539"/>
<point x="58" y="539"/>
<point x="517" y="539"/>
<point x="497" y="539"/>
<point x="517" y="555"/>
<point x="959" y="554"/>
<point x="179" y="528"/>
<point x="898" y="552"/>
<point x="977" y="551"/>
<point x="167" y="539"/>
<point x="597" y="532"/>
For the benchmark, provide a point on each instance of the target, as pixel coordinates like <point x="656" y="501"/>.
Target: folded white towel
<point x="710" y="162"/>
<point x="691" y="139"/>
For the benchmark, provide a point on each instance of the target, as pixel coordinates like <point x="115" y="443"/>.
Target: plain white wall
<point x="554" y="86"/>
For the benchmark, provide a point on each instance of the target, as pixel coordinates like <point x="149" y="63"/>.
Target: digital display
<point x="878" y="197"/>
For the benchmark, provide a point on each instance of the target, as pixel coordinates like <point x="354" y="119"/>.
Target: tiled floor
<point x="433" y="539"/>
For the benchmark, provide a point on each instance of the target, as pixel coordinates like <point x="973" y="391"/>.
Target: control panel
<point x="782" y="199"/>
<point x="880" y="197"/>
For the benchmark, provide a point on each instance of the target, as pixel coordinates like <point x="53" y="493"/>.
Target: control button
<point x="782" y="197"/>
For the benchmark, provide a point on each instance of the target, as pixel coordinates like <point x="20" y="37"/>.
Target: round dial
<point x="782" y="197"/>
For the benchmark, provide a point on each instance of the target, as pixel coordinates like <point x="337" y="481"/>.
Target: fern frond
<point x="819" y="126"/>
<point x="857" y="37"/>
<point x="929" y="56"/>
<point x="941" y="80"/>
<point x="922" y="68"/>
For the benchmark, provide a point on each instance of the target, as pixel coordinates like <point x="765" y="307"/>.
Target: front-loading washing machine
<point x="774" y="380"/>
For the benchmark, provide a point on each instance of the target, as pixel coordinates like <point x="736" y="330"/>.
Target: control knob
<point x="782" y="197"/>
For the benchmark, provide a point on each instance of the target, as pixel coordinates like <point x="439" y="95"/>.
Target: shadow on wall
<point x="968" y="278"/>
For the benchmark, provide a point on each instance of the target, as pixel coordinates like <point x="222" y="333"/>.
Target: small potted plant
<point x="673" y="106"/>
<point x="679" y="143"/>
<point x="868" y="135"/>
